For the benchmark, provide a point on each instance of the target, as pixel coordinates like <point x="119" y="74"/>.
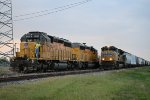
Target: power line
<point x="73" y="4"/>
<point x="47" y="12"/>
<point x="56" y="10"/>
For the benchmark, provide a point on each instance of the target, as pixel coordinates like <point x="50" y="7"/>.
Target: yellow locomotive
<point x="84" y="56"/>
<point x="42" y="52"/>
<point x="111" y="57"/>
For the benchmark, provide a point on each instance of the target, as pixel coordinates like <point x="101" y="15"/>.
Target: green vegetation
<point x="130" y="84"/>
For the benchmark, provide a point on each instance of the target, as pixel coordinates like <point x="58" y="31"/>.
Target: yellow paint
<point x="55" y="51"/>
<point x="106" y="57"/>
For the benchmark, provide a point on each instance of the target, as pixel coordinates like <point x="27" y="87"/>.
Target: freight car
<point x="41" y="52"/>
<point x="114" y="58"/>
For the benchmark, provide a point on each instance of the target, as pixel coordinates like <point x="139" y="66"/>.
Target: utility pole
<point x="6" y="29"/>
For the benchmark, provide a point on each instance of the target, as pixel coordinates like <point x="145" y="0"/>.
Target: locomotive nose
<point x="107" y="56"/>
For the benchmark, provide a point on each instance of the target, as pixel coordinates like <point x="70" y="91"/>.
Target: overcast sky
<point x="121" y="23"/>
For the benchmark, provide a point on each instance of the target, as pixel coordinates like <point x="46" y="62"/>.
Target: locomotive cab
<point x="109" y="53"/>
<point x="109" y="56"/>
<point x="113" y="57"/>
<point x="28" y="50"/>
<point x="30" y="42"/>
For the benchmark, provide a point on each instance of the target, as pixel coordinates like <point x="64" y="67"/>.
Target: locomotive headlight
<point x="103" y="58"/>
<point x="110" y="58"/>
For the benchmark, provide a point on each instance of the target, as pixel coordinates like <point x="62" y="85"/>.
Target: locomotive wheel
<point x="52" y="65"/>
<point x="26" y="70"/>
<point x="45" y="67"/>
<point x="73" y="66"/>
<point x="20" y="69"/>
<point x="116" y="66"/>
<point x="39" y="68"/>
<point x="80" y="65"/>
<point x="83" y="66"/>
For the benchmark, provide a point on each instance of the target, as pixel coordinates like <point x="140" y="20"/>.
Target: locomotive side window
<point x="67" y="44"/>
<point x="82" y="48"/>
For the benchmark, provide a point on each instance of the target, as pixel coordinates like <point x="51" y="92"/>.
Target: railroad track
<point x="44" y="75"/>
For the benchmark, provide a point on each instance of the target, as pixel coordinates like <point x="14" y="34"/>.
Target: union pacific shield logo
<point x="25" y="45"/>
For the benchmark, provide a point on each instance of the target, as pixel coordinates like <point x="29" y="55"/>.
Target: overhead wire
<point x="47" y="12"/>
<point x="50" y="9"/>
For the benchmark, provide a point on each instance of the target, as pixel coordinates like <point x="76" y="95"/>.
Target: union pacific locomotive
<point x="114" y="58"/>
<point x="41" y="52"/>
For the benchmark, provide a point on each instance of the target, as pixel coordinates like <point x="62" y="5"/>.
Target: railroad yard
<point x="124" y="84"/>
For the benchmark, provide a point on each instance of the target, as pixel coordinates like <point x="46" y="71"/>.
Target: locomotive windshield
<point x="112" y="48"/>
<point x="104" y="48"/>
<point x="32" y="38"/>
<point x="35" y="37"/>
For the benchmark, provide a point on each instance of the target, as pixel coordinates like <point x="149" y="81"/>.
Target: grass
<point x="131" y="84"/>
